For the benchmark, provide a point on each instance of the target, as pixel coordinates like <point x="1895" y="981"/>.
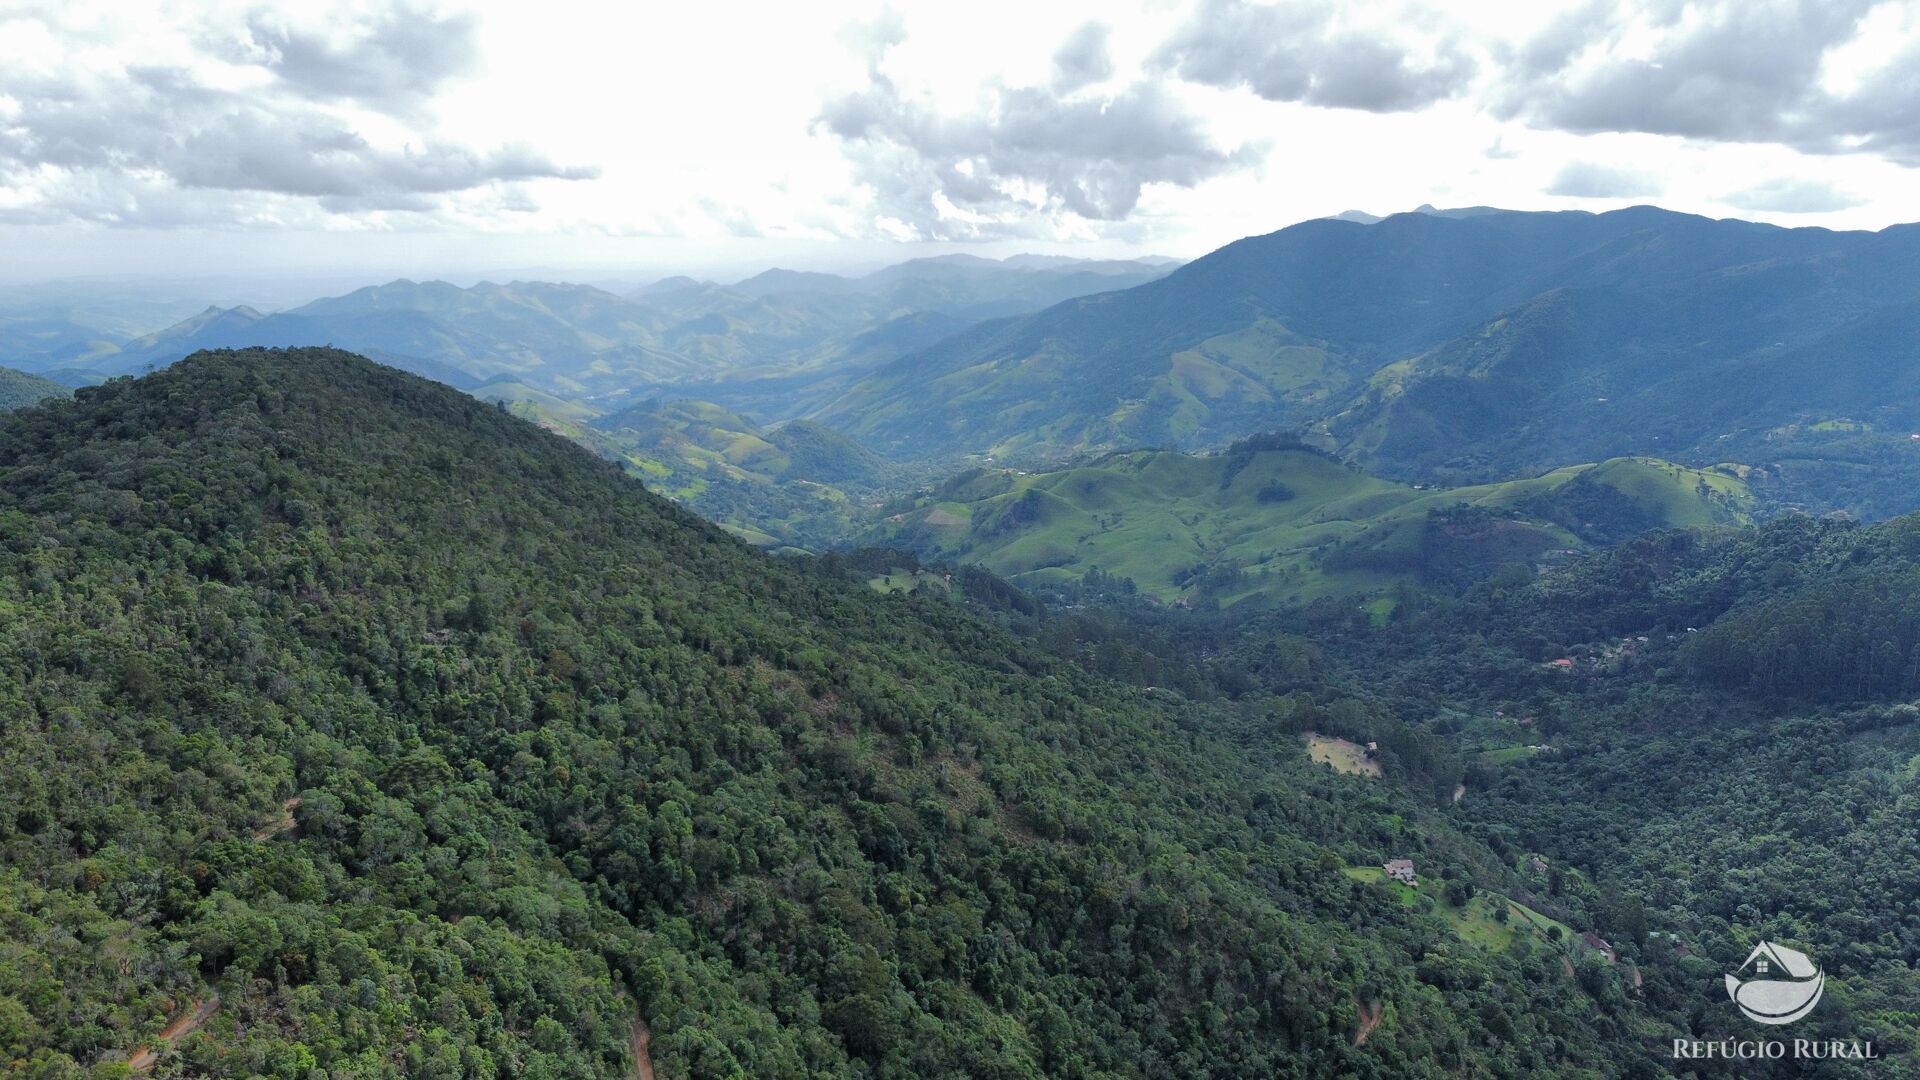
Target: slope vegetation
<point x="1264" y="521"/>
<point x="1458" y="349"/>
<point x="18" y="389"/>
<point x="561" y="751"/>
<point x="797" y="484"/>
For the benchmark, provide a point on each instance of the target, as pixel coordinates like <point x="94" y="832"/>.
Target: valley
<point x="901" y="541"/>
<point x="816" y="680"/>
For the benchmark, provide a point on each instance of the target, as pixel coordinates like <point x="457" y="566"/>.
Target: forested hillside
<point x="18" y="388"/>
<point x="797" y="485"/>
<point x="377" y="732"/>
<point x="1714" y="728"/>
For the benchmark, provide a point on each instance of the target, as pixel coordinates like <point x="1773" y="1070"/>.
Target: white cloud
<point x="289" y="122"/>
<point x="1587" y="180"/>
<point x="609" y="134"/>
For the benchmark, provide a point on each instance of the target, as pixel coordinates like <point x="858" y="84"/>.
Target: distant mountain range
<point x="578" y="340"/>
<point x="1441" y="346"/>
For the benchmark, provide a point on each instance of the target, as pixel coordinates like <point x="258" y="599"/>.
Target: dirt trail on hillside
<point x="1369" y="1019"/>
<point x="145" y="1057"/>
<point x="280" y="824"/>
<point x="196" y="1016"/>
<point x="642" y="1060"/>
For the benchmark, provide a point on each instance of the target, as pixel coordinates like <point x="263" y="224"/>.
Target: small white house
<point x="1401" y="870"/>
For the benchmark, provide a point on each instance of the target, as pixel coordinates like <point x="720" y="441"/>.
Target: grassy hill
<point x="378" y="732"/>
<point x="1290" y="524"/>
<point x="17" y="389"/>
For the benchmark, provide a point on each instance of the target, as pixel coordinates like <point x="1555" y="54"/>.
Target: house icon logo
<point x="1776" y="985"/>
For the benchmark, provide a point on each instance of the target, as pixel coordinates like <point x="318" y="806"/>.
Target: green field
<point x="898" y="580"/>
<point x="1288" y="525"/>
<point x="1477" y="921"/>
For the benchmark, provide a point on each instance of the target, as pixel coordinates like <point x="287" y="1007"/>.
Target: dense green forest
<point x="1689" y="743"/>
<point x="1732" y="752"/>
<point x="381" y="733"/>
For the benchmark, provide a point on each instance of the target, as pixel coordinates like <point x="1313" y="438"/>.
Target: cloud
<point x="393" y="61"/>
<point x="1585" y="180"/>
<point x="271" y="121"/>
<point x="1784" y="195"/>
<point x="1083" y="59"/>
<point x="1027" y="159"/>
<point x="1304" y="52"/>
<point x="1720" y="70"/>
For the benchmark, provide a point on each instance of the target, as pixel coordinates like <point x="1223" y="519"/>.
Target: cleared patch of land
<point x="144" y="1058"/>
<point x="1478" y="920"/>
<point x="1345" y="756"/>
<point x="898" y="580"/>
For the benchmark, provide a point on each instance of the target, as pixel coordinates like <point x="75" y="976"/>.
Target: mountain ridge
<point x="1358" y="333"/>
<point x="555" y="751"/>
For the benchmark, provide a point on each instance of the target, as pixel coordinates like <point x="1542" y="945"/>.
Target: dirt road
<point x="188" y="1022"/>
<point x="642" y="1060"/>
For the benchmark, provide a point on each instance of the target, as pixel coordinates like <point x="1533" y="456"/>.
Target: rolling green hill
<point x="378" y="732"/>
<point x="17" y="389"/>
<point x="1290" y="524"/>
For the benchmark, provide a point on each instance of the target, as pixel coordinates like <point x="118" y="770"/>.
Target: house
<point x="1373" y="748"/>
<point x="1679" y="948"/>
<point x="1564" y="663"/>
<point x="1401" y="870"/>
<point x="1598" y="944"/>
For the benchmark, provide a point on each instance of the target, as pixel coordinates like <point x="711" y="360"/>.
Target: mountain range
<point x="1443" y="347"/>
<point x="583" y="341"/>
<point x="1458" y="347"/>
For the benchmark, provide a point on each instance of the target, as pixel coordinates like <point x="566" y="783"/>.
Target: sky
<point x="635" y="140"/>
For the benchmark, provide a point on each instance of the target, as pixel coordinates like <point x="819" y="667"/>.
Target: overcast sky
<point x="642" y="138"/>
